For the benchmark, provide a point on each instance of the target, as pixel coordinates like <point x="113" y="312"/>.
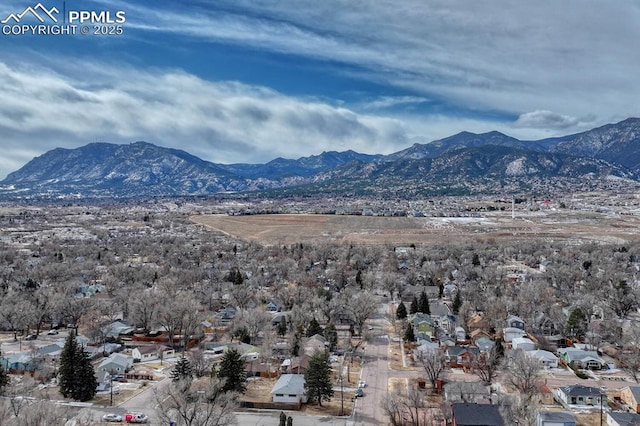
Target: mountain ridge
<point x="458" y="161"/>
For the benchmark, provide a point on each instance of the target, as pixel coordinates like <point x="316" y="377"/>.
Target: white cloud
<point x="573" y="57"/>
<point x="218" y="121"/>
<point x="545" y="120"/>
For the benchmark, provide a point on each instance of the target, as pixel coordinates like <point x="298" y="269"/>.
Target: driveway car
<point x="359" y="393"/>
<point x="136" y="418"/>
<point x="31" y="337"/>
<point x="112" y="417"/>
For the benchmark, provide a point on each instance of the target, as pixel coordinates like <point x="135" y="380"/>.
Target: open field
<point x="568" y="225"/>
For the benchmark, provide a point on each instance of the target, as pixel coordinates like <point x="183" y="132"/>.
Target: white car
<point x="111" y="417"/>
<point x="362" y="384"/>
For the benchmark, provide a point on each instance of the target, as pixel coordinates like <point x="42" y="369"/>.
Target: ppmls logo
<point x="40" y="20"/>
<point x="33" y="11"/>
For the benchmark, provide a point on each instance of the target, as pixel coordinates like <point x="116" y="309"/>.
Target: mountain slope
<point x="618" y="143"/>
<point x="102" y="168"/>
<point x="302" y="167"/>
<point x="461" y="140"/>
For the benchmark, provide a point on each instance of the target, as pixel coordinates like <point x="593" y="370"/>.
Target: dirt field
<point x="293" y="228"/>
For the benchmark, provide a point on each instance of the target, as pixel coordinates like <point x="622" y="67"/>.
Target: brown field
<point x="557" y="225"/>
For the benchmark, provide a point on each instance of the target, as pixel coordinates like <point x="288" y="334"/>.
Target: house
<point x="546" y="358"/>
<point x="272" y="307"/>
<point x="151" y="353"/>
<point x="299" y="364"/>
<point x="224" y="315"/>
<point x="630" y="396"/>
<point x="623" y="419"/>
<point x="555" y="418"/>
<point x="289" y="389"/>
<point x="19" y="362"/>
<point x="116" y="363"/>
<point x="523" y="343"/>
<point x="580" y="395"/>
<point x="460" y="355"/>
<point x="51" y="352"/>
<point x="485" y="344"/>
<point x="510" y="333"/>
<point x="466" y="391"/>
<point x="515" y="322"/>
<point x="316" y="343"/>
<point x="545" y="394"/>
<point x="117" y="329"/>
<point x="580" y="358"/>
<point x="471" y="414"/>
<point x="478" y="322"/>
<point x="425" y="348"/>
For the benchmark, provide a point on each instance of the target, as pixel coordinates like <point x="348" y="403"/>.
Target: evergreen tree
<point x="498" y="349"/>
<point x="457" y="303"/>
<point x="282" y="327"/>
<point x="423" y="304"/>
<point x="289" y="421"/>
<point x="318" y="378"/>
<point x="359" y="281"/>
<point x="409" y="335"/>
<point x="232" y="370"/>
<point x="313" y="328"/>
<point x="87" y="383"/>
<point x="76" y="377"/>
<point x="414" y="308"/>
<point x="283" y="419"/>
<point x="4" y="379"/>
<point x="66" y="371"/>
<point x="182" y="370"/>
<point x="331" y="335"/>
<point x="401" y="311"/>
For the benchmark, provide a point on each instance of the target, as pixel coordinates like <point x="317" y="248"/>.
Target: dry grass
<point x="292" y="228"/>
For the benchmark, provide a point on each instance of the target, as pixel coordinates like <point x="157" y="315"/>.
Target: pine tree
<point x="414" y="308"/>
<point x="409" y="335"/>
<point x="4" y="379"/>
<point x="318" y="378"/>
<point x="67" y="370"/>
<point x="331" y="335"/>
<point x="457" y="303"/>
<point x="182" y="370"/>
<point x="87" y="383"/>
<point x="423" y="304"/>
<point x="232" y="370"/>
<point x="283" y="419"/>
<point x="282" y="327"/>
<point x="401" y="312"/>
<point x="76" y="377"/>
<point x="313" y="328"/>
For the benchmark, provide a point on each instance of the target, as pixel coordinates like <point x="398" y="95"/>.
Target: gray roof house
<point x="555" y="418"/>
<point x="466" y="391"/>
<point x="465" y="414"/>
<point x="622" y="419"/>
<point x="118" y="363"/>
<point x="580" y="395"/>
<point x="289" y="389"/>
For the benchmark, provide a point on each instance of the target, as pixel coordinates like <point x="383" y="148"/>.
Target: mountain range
<point x="465" y="163"/>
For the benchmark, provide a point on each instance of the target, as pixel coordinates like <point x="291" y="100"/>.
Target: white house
<point x="523" y="343"/>
<point x="510" y="333"/>
<point x="151" y="353"/>
<point x="555" y="418"/>
<point x="289" y="389"/>
<point x="546" y="358"/>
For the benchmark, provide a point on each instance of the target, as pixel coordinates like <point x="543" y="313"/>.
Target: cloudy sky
<point x="250" y="80"/>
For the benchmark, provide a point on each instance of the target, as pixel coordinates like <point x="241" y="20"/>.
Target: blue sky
<point x="249" y="81"/>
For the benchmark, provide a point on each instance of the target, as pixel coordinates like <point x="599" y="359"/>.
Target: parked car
<point x="136" y="418"/>
<point x="362" y="384"/>
<point x="31" y="337"/>
<point x="52" y="332"/>
<point x="112" y="417"/>
<point x="359" y="393"/>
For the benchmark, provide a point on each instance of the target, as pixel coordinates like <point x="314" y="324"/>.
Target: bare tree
<point x="196" y="403"/>
<point x="486" y="365"/>
<point x="523" y="372"/>
<point x="361" y="306"/>
<point x="392" y="405"/>
<point x="201" y="366"/>
<point x="434" y="365"/>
